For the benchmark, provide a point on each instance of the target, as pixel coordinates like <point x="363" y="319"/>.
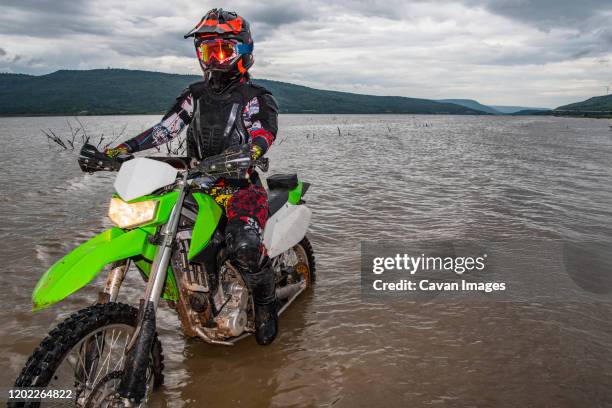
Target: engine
<point x="212" y="306"/>
<point x="232" y="300"/>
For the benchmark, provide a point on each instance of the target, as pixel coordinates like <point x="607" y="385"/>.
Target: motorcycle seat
<point x="282" y="181"/>
<point x="279" y="186"/>
<point x="276" y="199"/>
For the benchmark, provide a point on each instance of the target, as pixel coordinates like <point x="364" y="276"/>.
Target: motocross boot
<point x="263" y="287"/>
<point x="243" y="246"/>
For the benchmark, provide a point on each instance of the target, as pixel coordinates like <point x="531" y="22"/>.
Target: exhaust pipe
<point x="289" y="291"/>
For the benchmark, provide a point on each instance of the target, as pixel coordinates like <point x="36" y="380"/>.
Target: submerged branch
<point x="77" y="136"/>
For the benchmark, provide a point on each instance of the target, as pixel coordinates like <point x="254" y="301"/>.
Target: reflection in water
<point x="383" y="178"/>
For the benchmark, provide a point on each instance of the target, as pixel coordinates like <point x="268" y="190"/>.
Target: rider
<point x="224" y="110"/>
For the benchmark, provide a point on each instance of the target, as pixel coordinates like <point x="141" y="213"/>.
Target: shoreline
<point x="36" y="115"/>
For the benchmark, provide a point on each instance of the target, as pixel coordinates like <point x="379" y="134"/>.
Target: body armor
<point x="217" y="122"/>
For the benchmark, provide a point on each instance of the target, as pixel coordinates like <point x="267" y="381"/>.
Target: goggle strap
<point x="244" y="48"/>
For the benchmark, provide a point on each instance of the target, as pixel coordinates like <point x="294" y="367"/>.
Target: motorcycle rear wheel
<point x="306" y="254"/>
<point x="301" y="261"/>
<point x="86" y="332"/>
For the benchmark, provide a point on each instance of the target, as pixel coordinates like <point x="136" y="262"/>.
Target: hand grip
<point x="92" y="160"/>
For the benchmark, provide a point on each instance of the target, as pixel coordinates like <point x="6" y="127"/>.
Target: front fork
<point x="134" y="378"/>
<point x="114" y="281"/>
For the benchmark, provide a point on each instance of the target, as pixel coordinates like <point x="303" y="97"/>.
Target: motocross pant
<point x="246" y="208"/>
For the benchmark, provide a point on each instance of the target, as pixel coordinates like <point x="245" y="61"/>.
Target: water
<point x="376" y="178"/>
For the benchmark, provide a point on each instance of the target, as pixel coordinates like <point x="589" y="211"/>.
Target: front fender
<point x="80" y="266"/>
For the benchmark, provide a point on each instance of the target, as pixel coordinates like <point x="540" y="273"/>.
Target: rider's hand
<point x="255" y="152"/>
<point x="117" y="150"/>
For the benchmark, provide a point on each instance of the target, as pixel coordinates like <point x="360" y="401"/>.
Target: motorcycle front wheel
<point x="85" y="355"/>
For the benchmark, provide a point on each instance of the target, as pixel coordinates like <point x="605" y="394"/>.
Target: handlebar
<point x="234" y="162"/>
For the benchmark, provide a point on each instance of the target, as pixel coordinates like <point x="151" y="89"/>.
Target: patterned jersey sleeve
<point x="170" y="126"/>
<point x="260" y="117"/>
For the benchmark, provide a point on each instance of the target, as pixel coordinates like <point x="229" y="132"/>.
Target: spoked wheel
<point x="297" y="267"/>
<point x="86" y="354"/>
<point x="305" y="262"/>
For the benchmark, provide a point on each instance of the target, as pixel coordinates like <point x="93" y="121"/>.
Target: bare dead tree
<point x="181" y="148"/>
<point x="115" y="137"/>
<point x="69" y="142"/>
<point x="84" y="136"/>
<point x="72" y="133"/>
<point x="176" y="147"/>
<point x="54" y="138"/>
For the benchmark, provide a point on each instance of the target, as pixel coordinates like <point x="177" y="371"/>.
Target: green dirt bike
<point x="167" y="226"/>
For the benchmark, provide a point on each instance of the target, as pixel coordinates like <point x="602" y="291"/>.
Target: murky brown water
<point x="382" y="178"/>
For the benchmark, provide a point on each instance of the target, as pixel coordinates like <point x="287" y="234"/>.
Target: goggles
<point x="221" y="50"/>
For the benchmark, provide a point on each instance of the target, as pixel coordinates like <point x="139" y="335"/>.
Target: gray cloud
<point x="548" y="13"/>
<point x="18" y="60"/>
<point x="606" y="35"/>
<point x="49" y="18"/>
<point x="277" y="14"/>
<point x="47" y="6"/>
<point x="499" y="51"/>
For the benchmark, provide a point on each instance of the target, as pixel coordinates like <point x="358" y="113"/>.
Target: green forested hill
<point x="104" y="91"/>
<point x="120" y="91"/>
<point x="597" y="104"/>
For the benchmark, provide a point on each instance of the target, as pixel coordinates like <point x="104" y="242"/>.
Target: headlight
<point x="127" y="215"/>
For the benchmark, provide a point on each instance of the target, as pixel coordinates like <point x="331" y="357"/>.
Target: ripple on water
<point x="382" y="178"/>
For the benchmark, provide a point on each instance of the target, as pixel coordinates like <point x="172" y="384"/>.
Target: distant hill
<point x="598" y="106"/>
<point x="496" y="109"/>
<point x="533" y="112"/>
<point x="121" y="91"/>
<point x="514" y="109"/>
<point x="470" y="103"/>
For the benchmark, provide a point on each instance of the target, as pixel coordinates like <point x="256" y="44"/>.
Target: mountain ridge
<point x="595" y="104"/>
<point x="121" y="91"/>
<point x="509" y="109"/>
<point x="471" y="103"/>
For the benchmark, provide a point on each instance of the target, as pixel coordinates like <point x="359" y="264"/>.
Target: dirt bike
<point x="171" y="230"/>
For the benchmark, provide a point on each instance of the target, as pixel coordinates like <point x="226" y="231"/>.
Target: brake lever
<point x="230" y="161"/>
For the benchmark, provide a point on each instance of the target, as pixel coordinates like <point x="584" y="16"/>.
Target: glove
<point x="255" y="151"/>
<point x="117" y="150"/>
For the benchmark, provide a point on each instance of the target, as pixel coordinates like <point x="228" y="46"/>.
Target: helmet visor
<point x="220" y="50"/>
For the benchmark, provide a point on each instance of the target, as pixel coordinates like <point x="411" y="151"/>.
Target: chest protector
<point x="217" y="121"/>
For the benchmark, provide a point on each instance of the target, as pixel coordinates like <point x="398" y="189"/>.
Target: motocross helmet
<point x="223" y="43"/>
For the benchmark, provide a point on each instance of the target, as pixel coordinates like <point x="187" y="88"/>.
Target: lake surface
<point x="374" y="178"/>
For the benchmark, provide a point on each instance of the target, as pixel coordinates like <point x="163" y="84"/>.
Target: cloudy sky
<point x="527" y="52"/>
